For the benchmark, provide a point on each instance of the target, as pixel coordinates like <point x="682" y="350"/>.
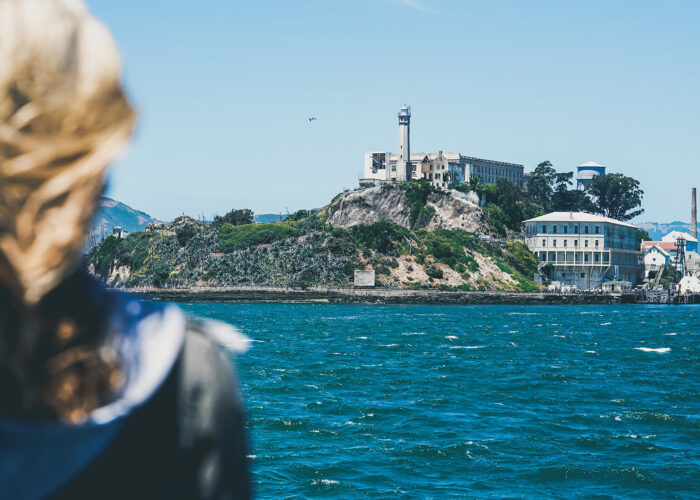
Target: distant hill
<point x="114" y="213"/>
<point x="658" y="230"/>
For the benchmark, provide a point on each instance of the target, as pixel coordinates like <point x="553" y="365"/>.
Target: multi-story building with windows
<point x="585" y="250"/>
<point x="443" y="170"/>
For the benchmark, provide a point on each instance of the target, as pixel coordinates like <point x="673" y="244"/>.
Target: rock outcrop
<point x="453" y="209"/>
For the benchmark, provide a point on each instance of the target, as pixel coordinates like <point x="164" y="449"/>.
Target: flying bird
<point x="312" y="119"/>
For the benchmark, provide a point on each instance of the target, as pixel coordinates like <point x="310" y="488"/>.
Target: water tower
<point x="586" y="172"/>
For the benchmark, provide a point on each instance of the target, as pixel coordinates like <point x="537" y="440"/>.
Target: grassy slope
<point x="308" y="251"/>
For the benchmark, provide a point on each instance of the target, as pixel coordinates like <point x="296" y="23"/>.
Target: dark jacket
<point x="188" y="441"/>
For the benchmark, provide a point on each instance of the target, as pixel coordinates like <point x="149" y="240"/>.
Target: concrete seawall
<point x="372" y="296"/>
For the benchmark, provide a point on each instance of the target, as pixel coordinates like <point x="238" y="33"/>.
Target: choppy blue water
<point x="470" y="401"/>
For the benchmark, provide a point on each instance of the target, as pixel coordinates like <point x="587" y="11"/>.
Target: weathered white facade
<point x="585" y="250"/>
<point x="655" y="258"/>
<point x="443" y="170"/>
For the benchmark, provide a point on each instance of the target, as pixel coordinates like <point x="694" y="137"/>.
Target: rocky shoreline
<point x="370" y="296"/>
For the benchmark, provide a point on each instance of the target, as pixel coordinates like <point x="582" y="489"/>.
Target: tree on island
<point x="236" y="217"/>
<point x="550" y="190"/>
<point x="616" y="196"/>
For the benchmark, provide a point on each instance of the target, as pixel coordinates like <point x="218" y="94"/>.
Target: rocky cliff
<point x="450" y="209"/>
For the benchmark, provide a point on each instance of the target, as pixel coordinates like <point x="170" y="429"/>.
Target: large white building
<point x="443" y="170"/>
<point x="585" y="250"/>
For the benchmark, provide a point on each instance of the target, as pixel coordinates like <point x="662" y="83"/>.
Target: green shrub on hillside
<point x="521" y="258"/>
<point x="417" y="194"/>
<point x="496" y="218"/>
<point x="237" y="237"/>
<point x="383" y="236"/>
<point x="130" y="251"/>
<point x="185" y="234"/>
<point x="340" y="242"/>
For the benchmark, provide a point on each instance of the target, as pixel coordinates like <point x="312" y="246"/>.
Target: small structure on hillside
<point x="364" y="278"/>
<point x="118" y="232"/>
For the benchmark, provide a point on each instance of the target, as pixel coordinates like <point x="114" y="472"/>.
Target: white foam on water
<point x="451" y="337"/>
<point x="388" y="345"/>
<point x="591" y="352"/>
<point x="513" y="331"/>
<point x="651" y="349"/>
<point x="670" y="334"/>
<point x="363" y="338"/>
<point x="560" y="336"/>
<point x="413" y="333"/>
<point x="618" y="418"/>
<point x="605" y="324"/>
<point x="466" y="347"/>
<point x="324" y="481"/>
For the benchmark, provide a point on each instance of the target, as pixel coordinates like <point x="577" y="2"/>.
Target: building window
<point x="565" y="242"/>
<point x="597" y="230"/>
<point x="554" y="243"/>
<point x="583" y="275"/>
<point x="544" y="243"/>
<point x="575" y="243"/>
<point x="544" y="228"/>
<point x="585" y="229"/>
<point x="585" y="243"/>
<point x="566" y="229"/>
<point x="554" y="229"/>
<point x="596" y="243"/>
<point x="576" y="229"/>
<point x="585" y="257"/>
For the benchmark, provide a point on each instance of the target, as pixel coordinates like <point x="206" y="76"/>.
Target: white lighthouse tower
<point x="403" y="165"/>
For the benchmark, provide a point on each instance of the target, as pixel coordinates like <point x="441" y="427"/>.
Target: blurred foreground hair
<point x="63" y="117"/>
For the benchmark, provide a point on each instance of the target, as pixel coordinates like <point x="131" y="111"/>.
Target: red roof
<point x="666" y="245"/>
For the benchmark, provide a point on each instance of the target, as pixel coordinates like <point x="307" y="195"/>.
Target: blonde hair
<point x="63" y="118"/>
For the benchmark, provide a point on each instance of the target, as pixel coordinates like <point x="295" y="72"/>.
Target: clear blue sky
<point x="224" y="90"/>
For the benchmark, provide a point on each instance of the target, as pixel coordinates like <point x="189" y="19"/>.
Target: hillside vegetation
<point x="306" y="249"/>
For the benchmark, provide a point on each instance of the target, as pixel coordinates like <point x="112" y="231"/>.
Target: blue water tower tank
<point x="586" y="172"/>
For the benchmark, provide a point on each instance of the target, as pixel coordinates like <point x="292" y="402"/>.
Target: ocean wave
<point x="653" y="349"/>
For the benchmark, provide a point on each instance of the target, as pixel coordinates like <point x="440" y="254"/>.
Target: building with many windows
<point x="585" y="250"/>
<point x="443" y="170"/>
